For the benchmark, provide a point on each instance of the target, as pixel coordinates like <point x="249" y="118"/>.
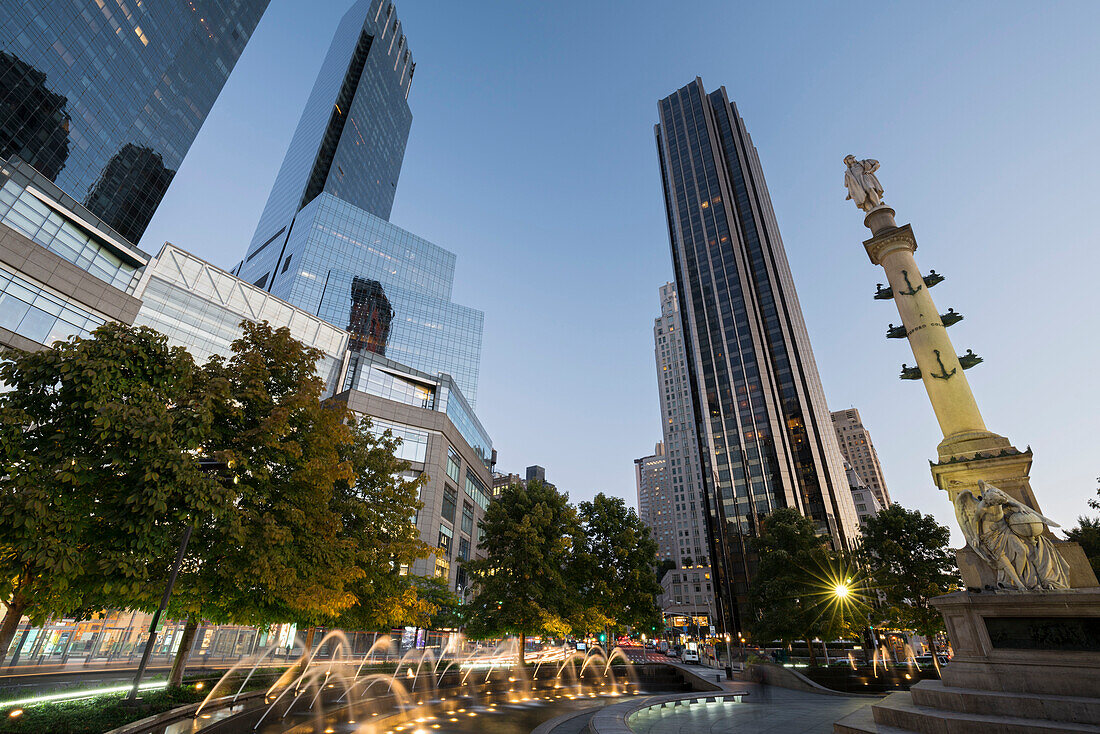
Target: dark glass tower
<point x="765" y="436"/>
<point x="350" y="141"/>
<point x="105" y="98"/>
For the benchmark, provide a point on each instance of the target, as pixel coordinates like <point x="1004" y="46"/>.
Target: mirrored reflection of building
<point x="129" y="189"/>
<point x="760" y="418"/>
<point x="130" y="84"/>
<point x="371" y="316"/>
<point x="34" y="124"/>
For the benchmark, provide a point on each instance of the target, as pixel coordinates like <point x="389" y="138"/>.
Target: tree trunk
<point x="11" y="622"/>
<point x="522" y="647"/>
<point x="175" y="678"/>
<point x="813" y="655"/>
<point x="309" y="639"/>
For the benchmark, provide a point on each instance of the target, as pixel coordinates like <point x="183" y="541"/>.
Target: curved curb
<point x="612" y="719"/>
<point x="183" y="712"/>
<point x="548" y="726"/>
<point x="782" y="677"/>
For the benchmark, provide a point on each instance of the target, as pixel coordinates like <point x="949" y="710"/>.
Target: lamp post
<point x="206" y="465"/>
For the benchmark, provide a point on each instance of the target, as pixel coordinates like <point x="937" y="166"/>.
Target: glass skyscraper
<point x="105" y="98"/>
<point x="764" y="432"/>
<point x="350" y="141"/>
<point x="324" y="242"/>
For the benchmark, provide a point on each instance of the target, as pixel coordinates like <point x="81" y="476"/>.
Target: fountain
<point x="434" y="689"/>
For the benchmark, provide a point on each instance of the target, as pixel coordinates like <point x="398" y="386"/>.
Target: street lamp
<point x="205" y="465"/>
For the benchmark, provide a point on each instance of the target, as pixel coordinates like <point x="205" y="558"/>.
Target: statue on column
<point x="1010" y="537"/>
<point x="863" y="186"/>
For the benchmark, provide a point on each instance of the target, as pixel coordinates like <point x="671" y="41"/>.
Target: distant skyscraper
<point x="866" y="502"/>
<point x="350" y="140"/>
<point x="654" y="501"/>
<point x="678" y="424"/>
<point x="760" y="414"/>
<point x="105" y="99"/>
<point x="855" y="444"/>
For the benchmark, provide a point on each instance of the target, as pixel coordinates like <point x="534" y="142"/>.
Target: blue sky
<point x="532" y="157"/>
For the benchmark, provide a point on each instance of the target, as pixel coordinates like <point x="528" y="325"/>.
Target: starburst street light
<point x="842" y="590"/>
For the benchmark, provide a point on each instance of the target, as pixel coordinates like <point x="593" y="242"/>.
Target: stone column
<point x="892" y="247"/>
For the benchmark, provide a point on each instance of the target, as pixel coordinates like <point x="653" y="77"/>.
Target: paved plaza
<point x="766" y="710"/>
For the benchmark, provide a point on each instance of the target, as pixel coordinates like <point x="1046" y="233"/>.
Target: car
<point x="691" y="656"/>
<point x="925" y="661"/>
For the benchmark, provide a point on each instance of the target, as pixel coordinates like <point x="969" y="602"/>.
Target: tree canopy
<point x="908" y="557"/>
<point x="530" y="534"/>
<point x="97" y="441"/>
<point x="616" y="564"/>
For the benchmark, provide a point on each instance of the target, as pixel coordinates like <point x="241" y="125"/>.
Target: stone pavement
<point x="769" y="710"/>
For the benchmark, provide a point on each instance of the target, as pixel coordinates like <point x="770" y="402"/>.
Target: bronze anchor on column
<point x="912" y="291"/>
<point x="944" y="374"/>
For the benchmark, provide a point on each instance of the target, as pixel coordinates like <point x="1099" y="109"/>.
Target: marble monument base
<point x="1024" y="662"/>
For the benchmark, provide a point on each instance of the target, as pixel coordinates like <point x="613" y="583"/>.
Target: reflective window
<point x="476" y="490"/>
<point x="450" y="502"/>
<point x="105" y="98"/>
<point x="454" y="464"/>
<point x="414" y="441"/>
<point x="30" y="216"/>
<point x="467" y="518"/>
<point x="39" y="315"/>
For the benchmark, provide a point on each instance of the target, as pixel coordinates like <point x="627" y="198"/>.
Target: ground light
<point x="74" y="695"/>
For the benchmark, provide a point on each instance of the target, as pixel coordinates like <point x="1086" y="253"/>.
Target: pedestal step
<point x="1073" y="709"/>
<point x="899" y="710"/>
<point x="862" y="721"/>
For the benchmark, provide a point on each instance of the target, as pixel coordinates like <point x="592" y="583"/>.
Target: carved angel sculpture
<point x="1009" y="536"/>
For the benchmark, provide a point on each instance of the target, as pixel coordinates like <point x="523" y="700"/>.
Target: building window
<point x="476" y="489"/>
<point x="453" y="464"/>
<point x="467" y="518"/>
<point x="450" y="503"/>
<point x="464" y="549"/>
<point x="445" y="535"/>
<point x="442" y="568"/>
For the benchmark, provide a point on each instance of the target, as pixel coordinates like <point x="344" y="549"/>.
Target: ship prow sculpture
<point x="1028" y="622"/>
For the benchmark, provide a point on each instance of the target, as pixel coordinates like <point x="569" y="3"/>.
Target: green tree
<point x="791" y="592"/>
<point x="321" y="514"/>
<point x="446" y="611"/>
<point x="1087" y="535"/>
<point x="521" y="587"/>
<point x="909" y="560"/>
<point x="616" y="563"/>
<point x="98" y="439"/>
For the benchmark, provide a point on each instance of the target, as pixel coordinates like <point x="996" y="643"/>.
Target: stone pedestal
<point x="1024" y="662"/>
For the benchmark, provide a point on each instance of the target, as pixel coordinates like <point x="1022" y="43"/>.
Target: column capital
<point x="882" y="244"/>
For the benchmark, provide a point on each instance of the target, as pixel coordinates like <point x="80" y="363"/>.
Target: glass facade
<point x="350" y="140"/>
<point x="763" y="431"/>
<point x="105" y="98"/>
<point x="33" y="216"/>
<point x="389" y="288"/>
<point x="39" y="315"/>
<point x="201" y="307"/>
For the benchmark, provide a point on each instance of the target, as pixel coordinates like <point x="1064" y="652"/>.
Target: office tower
<point x="104" y="99"/>
<point x="859" y="451"/>
<point x="864" y="498"/>
<point x="654" y="500"/>
<point x="350" y="140"/>
<point x="760" y="415"/>
<point x="323" y="243"/>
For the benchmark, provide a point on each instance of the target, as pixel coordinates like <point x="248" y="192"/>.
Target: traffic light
<point x="603" y="637"/>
